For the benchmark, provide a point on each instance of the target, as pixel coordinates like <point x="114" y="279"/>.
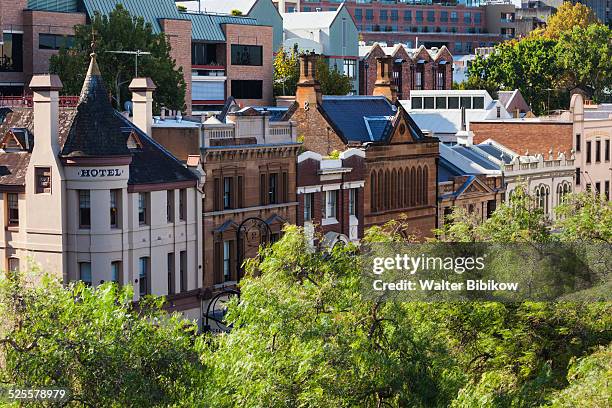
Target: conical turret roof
<point x="96" y="131"/>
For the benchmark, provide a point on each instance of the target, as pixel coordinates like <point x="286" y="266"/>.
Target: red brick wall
<point x="178" y="33"/>
<point x="317" y="133"/>
<point x="250" y="35"/>
<point x="181" y="142"/>
<point x="35" y="60"/>
<point x="368" y="77"/>
<point x="523" y="137"/>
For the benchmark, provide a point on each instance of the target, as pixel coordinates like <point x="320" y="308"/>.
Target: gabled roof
<point x="310" y="19"/>
<point x="96" y="131"/>
<point x="346" y="115"/>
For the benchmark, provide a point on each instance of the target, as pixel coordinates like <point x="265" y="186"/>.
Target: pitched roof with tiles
<point x="346" y="114"/>
<point x="101" y="136"/>
<point x="95" y="130"/>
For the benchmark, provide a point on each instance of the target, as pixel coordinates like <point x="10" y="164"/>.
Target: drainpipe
<point x="437" y="194"/>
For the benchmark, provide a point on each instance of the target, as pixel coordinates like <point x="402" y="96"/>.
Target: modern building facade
<point x="460" y="27"/>
<point x="220" y="55"/>
<point x="331" y="33"/>
<point x="413" y="69"/>
<point x="82" y="200"/>
<point x="446" y="113"/>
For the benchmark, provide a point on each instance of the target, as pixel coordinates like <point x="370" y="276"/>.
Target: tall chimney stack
<point x="308" y="91"/>
<point x="384" y="83"/>
<point x="142" y="103"/>
<point x="46" y="113"/>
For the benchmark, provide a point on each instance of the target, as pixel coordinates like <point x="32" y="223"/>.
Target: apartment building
<point x="220" y="55"/>
<point x="82" y="200"/>
<point x="248" y="156"/>
<point x="413" y="69"/>
<point x="460" y="27"/>
<point x="400" y="161"/>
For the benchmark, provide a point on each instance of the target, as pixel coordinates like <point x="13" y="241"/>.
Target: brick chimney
<point x="142" y="103"/>
<point x="384" y="82"/>
<point x="308" y="91"/>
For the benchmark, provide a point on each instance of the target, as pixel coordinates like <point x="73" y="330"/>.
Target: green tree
<point x="287" y="74"/>
<point x="333" y="82"/>
<point x="119" y="31"/>
<point x="585" y="58"/>
<point x="531" y="65"/>
<point x="95" y="343"/>
<point x="585" y="217"/>
<point x="567" y="17"/>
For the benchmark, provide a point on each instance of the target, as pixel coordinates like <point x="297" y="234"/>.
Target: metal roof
<point x="467" y="152"/>
<point x="495" y="152"/>
<point x="204" y="27"/>
<point x="207" y="27"/>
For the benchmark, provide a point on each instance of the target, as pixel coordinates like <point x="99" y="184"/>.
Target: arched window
<point x="419" y="176"/>
<point x="407" y="186"/>
<point x="542" y="192"/>
<point x="425" y="181"/>
<point x="400" y="188"/>
<point x="387" y="193"/>
<point x="380" y="191"/>
<point x="373" y="192"/>
<point x="393" y="189"/>
<point x="413" y="186"/>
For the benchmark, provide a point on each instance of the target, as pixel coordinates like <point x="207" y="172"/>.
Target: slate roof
<point x="95" y="131"/>
<point x="475" y="157"/>
<point x="346" y="114"/>
<point x="204" y="27"/>
<point x="495" y="152"/>
<point x="108" y="130"/>
<point x="447" y="171"/>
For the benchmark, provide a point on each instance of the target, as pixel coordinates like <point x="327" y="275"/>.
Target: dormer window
<point x="17" y="139"/>
<point x="133" y="141"/>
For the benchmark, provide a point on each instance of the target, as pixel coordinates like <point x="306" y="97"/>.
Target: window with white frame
<point x="308" y="206"/>
<point x="331" y="204"/>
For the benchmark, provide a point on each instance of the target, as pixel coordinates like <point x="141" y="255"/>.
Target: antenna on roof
<point x="136" y="53"/>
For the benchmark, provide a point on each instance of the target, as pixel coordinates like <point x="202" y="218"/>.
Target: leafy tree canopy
<point x="119" y="31"/>
<point x="573" y="51"/>
<point x="567" y="17"/>
<point x="287" y="74"/>
<point x="95" y="343"/>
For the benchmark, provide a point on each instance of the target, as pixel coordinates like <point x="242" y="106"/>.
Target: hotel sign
<point x="100" y="172"/>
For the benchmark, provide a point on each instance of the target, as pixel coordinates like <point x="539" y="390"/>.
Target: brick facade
<point x="248" y="163"/>
<point x="404" y="71"/>
<point x="528" y="136"/>
<point x="178" y="34"/>
<point x="181" y="142"/>
<point x="384" y="161"/>
<point x="250" y="35"/>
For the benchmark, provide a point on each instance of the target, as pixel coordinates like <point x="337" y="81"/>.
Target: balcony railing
<point x="26" y="101"/>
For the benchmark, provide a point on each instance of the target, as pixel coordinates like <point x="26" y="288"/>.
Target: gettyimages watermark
<point x="487" y="272"/>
